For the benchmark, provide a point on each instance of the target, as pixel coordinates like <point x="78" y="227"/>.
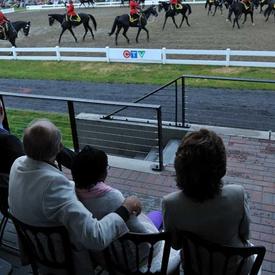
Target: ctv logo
<point x="133" y="54"/>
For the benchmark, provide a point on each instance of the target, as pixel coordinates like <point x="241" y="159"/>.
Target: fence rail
<point x="160" y="56"/>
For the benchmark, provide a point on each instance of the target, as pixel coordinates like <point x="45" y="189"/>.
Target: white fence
<point x="10" y="10"/>
<point x="161" y="56"/>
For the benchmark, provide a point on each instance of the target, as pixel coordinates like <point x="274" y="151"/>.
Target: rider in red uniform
<point x="174" y="3"/>
<point x="134" y="10"/>
<point x="72" y="15"/>
<point x="247" y="4"/>
<point x="3" y="21"/>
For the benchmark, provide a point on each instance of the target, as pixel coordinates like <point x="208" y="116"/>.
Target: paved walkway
<point x="251" y="163"/>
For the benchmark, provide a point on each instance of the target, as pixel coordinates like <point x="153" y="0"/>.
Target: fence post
<point x="73" y="125"/>
<point x="14" y="53"/>
<point x="183" y="101"/>
<point x="176" y="103"/>
<point x="227" y="58"/>
<point x="57" y="50"/>
<point x="163" y="55"/>
<point x="107" y="54"/>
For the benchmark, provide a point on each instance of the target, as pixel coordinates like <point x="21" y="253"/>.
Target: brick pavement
<point x="251" y="163"/>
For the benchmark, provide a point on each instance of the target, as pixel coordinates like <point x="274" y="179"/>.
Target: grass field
<point x="133" y="73"/>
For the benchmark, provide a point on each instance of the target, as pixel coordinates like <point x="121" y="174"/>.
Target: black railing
<point x="72" y="118"/>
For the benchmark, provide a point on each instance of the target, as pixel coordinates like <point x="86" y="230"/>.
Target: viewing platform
<point x="251" y="163"/>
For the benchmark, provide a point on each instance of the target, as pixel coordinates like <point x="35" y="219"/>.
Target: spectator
<point x="40" y="195"/>
<point x="10" y="146"/>
<point x="203" y="205"/>
<point x="89" y="171"/>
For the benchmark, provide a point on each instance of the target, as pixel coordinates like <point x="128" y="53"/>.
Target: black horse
<point x="13" y="29"/>
<point x="217" y="4"/>
<point x="238" y="8"/>
<point x="263" y="3"/>
<point x="185" y="8"/>
<point x="270" y="8"/>
<point x="68" y="25"/>
<point x="123" y="21"/>
<point x="90" y="2"/>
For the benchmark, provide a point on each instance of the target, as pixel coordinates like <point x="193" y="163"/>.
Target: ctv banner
<point x="135" y="55"/>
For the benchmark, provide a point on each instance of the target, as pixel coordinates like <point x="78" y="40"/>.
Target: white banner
<point x="133" y="55"/>
<point x="10" y="10"/>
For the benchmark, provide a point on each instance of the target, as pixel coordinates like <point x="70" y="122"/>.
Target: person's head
<point x="42" y="140"/>
<point x="200" y="164"/>
<point x="89" y="167"/>
<point x="71" y="2"/>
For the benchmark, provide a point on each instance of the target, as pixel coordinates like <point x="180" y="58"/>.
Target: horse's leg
<point x="209" y="9"/>
<point x="59" y="40"/>
<point x="174" y="21"/>
<point x="139" y="30"/>
<point x="125" y="29"/>
<point x="71" y="31"/>
<point x="86" y="30"/>
<point x="215" y="10"/>
<point x="117" y="33"/>
<point x="182" y="19"/>
<point x="164" y="22"/>
<point x="245" y="16"/>
<point x="251" y="16"/>
<point x="187" y="22"/>
<point x="91" y="30"/>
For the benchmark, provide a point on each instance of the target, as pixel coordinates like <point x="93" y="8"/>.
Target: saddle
<point x="135" y="18"/>
<point x="178" y="6"/>
<point x="246" y="6"/>
<point x="73" y="18"/>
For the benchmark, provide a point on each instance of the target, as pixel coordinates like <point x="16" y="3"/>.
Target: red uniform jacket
<point x="3" y="18"/>
<point x="174" y="2"/>
<point x="70" y="10"/>
<point x="134" y="7"/>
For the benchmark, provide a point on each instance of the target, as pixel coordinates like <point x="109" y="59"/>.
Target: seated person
<point x="89" y="171"/>
<point x="203" y="205"/>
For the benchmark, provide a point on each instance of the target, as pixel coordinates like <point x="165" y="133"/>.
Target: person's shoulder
<point x="233" y="189"/>
<point x="173" y="195"/>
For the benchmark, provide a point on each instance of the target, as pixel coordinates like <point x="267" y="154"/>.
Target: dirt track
<point x="206" y="32"/>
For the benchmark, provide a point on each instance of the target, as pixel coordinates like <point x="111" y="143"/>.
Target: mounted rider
<point x="134" y="12"/>
<point x="4" y="25"/>
<point x="175" y="4"/>
<point x="71" y="13"/>
<point x="247" y="4"/>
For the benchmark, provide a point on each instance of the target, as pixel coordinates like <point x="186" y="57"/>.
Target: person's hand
<point x="133" y="205"/>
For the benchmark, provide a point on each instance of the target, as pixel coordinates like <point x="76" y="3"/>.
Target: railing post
<point x="160" y="143"/>
<point x="163" y="55"/>
<point x="176" y="103"/>
<point x="107" y="54"/>
<point x="183" y="100"/>
<point x="227" y="58"/>
<point x="14" y="54"/>
<point x="57" y="50"/>
<point x="73" y="125"/>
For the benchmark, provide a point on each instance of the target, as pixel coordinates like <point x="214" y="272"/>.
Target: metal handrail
<point x="70" y="104"/>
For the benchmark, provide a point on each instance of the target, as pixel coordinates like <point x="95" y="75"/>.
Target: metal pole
<point x="176" y="103"/>
<point x="73" y="125"/>
<point x="160" y="143"/>
<point x="183" y="100"/>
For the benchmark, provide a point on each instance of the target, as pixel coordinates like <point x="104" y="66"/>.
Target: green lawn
<point x="133" y="73"/>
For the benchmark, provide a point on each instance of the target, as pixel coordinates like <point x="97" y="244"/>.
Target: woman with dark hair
<point x="89" y="171"/>
<point x="203" y="205"/>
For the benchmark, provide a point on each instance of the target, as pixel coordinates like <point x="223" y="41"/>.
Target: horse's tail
<point x="94" y="22"/>
<point x="114" y="26"/>
<point x="189" y="9"/>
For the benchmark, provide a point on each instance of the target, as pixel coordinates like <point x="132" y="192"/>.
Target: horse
<point x="173" y="12"/>
<point x="68" y="25"/>
<point x="238" y="8"/>
<point x="14" y="28"/>
<point x="216" y="3"/>
<point x="262" y="3"/>
<point x="123" y="21"/>
<point x="90" y="2"/>
<point x="269" y="9"/>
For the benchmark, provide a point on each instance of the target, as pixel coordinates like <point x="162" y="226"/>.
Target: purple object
<point x="156" y="217"/>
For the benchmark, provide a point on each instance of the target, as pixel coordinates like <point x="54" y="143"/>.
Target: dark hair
<point x="89" y="167"/>
<point x="200" y="164"/>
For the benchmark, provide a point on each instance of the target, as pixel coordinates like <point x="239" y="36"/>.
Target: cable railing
<point x="74" y="123"/>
